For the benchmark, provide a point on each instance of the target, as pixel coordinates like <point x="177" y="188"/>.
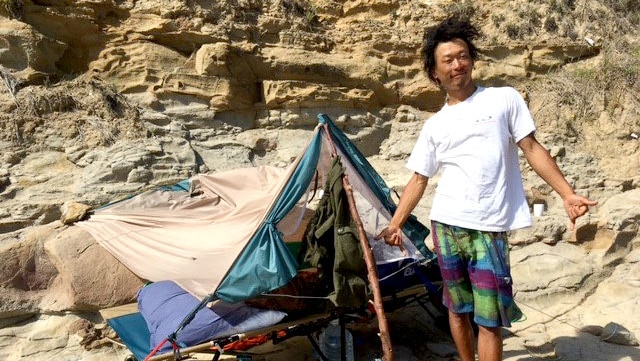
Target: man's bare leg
<point x="462" y="335"/>
<point x="490" y="343"/>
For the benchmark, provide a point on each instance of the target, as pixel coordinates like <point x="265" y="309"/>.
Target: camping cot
<point x="228" y="237"/>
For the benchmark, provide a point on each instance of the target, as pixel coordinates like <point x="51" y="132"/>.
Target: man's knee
<point x="493" y="331"/>
<point x="459" y="318"/>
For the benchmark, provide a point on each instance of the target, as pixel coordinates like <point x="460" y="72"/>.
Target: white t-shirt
<point x="474" y="145"/>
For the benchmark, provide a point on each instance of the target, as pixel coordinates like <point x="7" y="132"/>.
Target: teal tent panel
<point x="266" y="262"/>
<point x="183" y="186"/>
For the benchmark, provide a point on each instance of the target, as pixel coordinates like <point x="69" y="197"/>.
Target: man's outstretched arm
<point x="546" y="167"/>
<point x="408" y="200"/>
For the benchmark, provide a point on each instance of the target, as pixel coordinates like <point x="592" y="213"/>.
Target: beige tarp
<point x="191" y="237"/>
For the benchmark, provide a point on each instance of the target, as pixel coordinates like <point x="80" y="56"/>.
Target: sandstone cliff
<point x="102" y="99"/>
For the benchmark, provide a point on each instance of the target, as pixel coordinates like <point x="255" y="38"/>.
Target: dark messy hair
<point x="449" y="29"/>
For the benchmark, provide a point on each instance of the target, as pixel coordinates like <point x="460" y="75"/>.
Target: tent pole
<point x="372" y="274"/>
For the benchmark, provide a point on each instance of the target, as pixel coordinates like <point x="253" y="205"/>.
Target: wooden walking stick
<point x="372" y="274"/>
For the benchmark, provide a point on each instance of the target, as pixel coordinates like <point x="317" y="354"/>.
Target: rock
<point x="160" y="93"/>
<point x="592" y="329"/>
<point x="539" y="345"/>
<point x="552" y="277"/>
<point x="29" y="53"/>
<point x="617" y="334"/>
<point x="73" y="212"/>
<point x="26" y="273"/>
<point x="89" y="277"/>
<point x="48" y="334"/>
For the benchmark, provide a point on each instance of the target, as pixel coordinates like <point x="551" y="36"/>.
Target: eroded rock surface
<point x="103" y="99"/>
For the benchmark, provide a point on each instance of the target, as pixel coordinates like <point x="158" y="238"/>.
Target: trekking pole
<point x="372" y="274"/>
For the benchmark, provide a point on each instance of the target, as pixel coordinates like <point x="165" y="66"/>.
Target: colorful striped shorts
<point x="476" y="274"/>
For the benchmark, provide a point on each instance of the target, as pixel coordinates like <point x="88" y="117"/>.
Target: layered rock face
<point x="104" y="99"/>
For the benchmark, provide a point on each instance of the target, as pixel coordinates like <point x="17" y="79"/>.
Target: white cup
<point x="538" y="209"/>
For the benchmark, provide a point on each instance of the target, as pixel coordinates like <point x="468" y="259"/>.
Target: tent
<point x="233" y="235"/>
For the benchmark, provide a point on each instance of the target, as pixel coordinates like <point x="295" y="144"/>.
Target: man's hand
<point x="391" y="236"/>
<point x="576" y="206"/>
<point x="414" y="190"/>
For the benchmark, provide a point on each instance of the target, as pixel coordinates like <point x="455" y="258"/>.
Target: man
<point x="473" y="141"/>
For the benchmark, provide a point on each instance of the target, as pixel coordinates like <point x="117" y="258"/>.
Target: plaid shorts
<point x="476" y="274"/>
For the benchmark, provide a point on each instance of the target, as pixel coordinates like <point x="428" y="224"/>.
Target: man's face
<point x="453" y="65"/>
